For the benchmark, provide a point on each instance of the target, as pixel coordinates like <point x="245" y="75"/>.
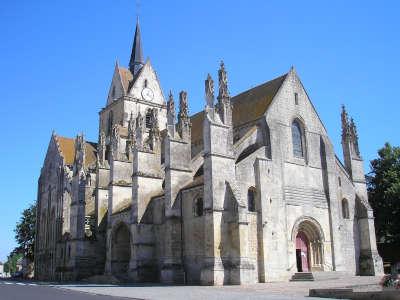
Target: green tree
<point x="25" y="232"/>
<point x="384" y="193"/>
<point x="12" y="259"/>
<point x="6" y="267"/>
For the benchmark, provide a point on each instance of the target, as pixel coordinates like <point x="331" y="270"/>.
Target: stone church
<point x="247" y="190"/>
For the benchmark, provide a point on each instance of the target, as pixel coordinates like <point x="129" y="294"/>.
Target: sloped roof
<point x="197" y="126"/>
<point x="67" y="148"/>
<point x="252" y="104"/>
<point x="247" y="106"/>
<point x="126" y="77"/>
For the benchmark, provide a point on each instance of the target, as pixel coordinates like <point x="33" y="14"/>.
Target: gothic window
<point x="251" y="199"/>
<point x="198" y="207"/>
<point x="345" y="209"/>
<point x="148" y="119"/>
<point x="296" y="98"/>
<point x="297" y="140"/>
<point x="113" y="92"/>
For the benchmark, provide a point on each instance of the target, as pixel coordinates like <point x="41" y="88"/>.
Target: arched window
<point x="198" y="207"/>
<point x="297" y="139"/>
<point x="251" y="199"/>
<point x="345" y="209"/>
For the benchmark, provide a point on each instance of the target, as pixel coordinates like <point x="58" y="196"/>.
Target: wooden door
<point x="302" y="252"/>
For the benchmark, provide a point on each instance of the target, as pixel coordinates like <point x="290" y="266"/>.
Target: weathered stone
<point x="249" y="190"/>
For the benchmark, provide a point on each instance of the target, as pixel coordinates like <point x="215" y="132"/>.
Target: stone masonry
<point x="248" y="190"/>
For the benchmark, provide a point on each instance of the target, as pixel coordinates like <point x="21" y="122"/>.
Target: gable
<point x="284" y="108"/>
<point x="146" y="77"/>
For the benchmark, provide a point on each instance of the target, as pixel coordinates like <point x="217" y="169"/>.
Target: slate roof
<point x="247" y="106"/>
<point x="137" y="51"/>
<point x="67" y="148"/>
<point x="126" y="78"/>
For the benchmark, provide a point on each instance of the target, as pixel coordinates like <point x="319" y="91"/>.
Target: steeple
<point x="136" y="62"/>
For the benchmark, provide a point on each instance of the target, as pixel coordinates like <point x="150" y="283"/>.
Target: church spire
<point x="136" y="62"/>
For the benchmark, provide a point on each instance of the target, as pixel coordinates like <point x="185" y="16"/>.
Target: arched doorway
<point x="302" y="252"/>
<point x="308" y="240"/>
<point x="121" y="251"/>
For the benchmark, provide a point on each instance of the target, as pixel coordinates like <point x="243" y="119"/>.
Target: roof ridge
<point x="261" y="85"/>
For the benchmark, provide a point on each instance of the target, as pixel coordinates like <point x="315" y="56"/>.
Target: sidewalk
<point x="273" y="291"/>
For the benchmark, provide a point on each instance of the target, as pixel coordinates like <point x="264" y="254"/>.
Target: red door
<point x="302" y="252"/>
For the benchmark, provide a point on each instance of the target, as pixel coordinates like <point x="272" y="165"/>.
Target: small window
<point x="296" y="98"/>
<point x="297" y="139"/>
<point x="145" y="83"/>
<point x="345" y="209"/>
<point x="251" y="200"/>
<point x="340" y="181"/>
<point x="198" y="207"/>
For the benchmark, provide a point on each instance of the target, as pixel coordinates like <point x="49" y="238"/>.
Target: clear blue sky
<point x="57" y="59"/>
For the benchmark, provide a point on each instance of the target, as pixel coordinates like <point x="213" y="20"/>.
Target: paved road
<point x="11" y="290"/>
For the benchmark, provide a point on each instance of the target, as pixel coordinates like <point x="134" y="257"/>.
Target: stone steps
<point x="302" y="276"/>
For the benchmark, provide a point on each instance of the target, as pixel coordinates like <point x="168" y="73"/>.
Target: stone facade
<point x="248" y="190"/>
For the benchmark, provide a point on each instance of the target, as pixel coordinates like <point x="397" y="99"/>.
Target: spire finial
<point x="137" y="11"/>
<point x="136" y="62"/>
<point x="223" y="82"/>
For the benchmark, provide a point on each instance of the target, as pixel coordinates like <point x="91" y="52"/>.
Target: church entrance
<point x="121" y="252"/>
<point x="302" y="253"/>
<point x="309" y="246"/>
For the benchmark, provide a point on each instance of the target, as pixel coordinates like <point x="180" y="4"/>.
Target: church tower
<point x="129" y="142"/>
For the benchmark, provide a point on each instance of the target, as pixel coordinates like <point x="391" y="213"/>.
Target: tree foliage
<point x="25" y="232"/>
<point x="384" y="193"/>
<point x="12" y="260"/>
